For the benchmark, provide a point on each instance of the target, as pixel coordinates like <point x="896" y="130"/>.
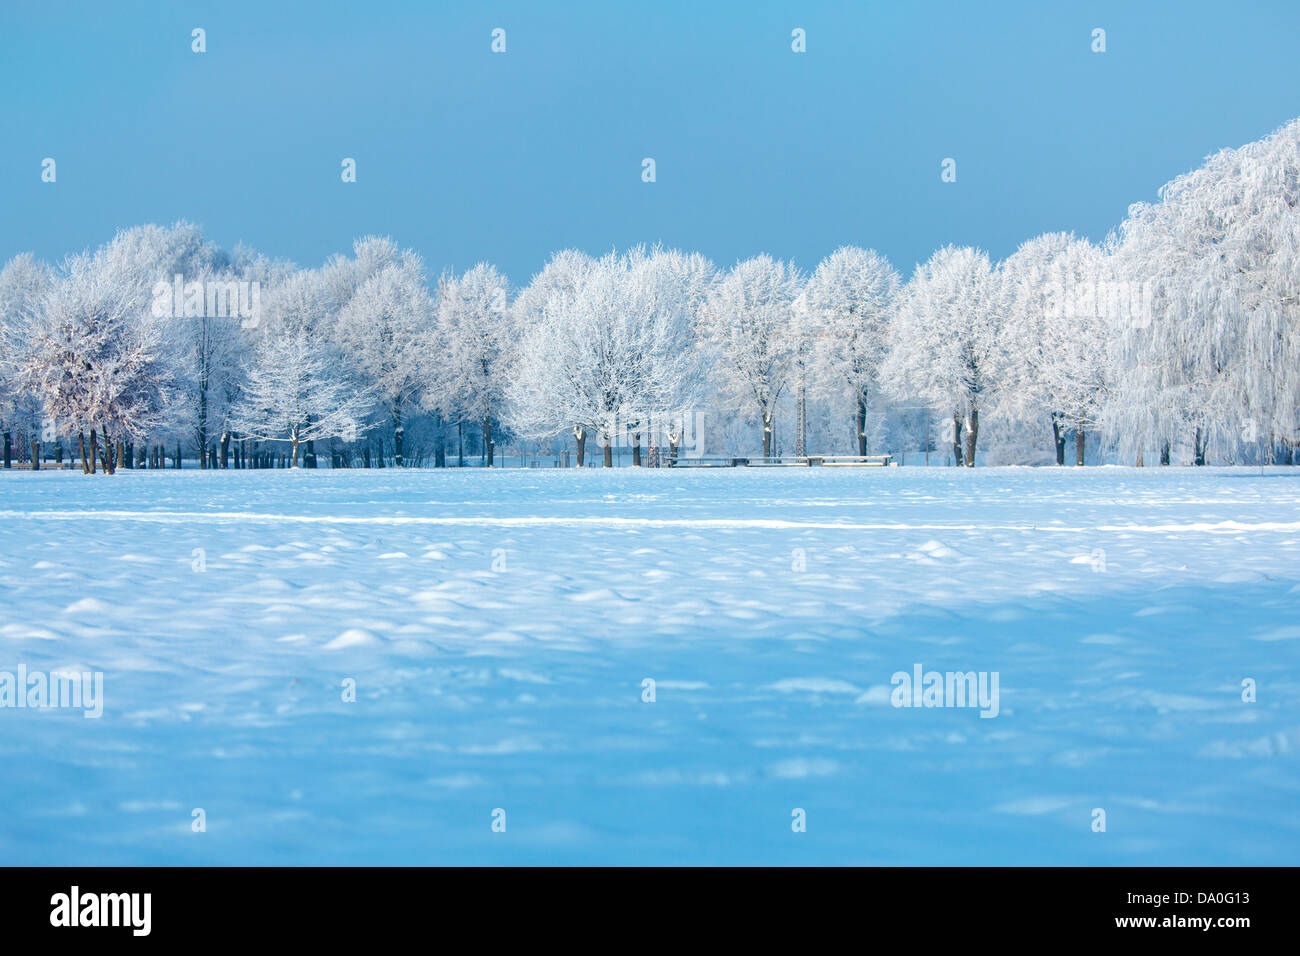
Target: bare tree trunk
<point x="294" y="451"/>
<point x="1198" y="450"/>
<point x="8" y="453"/>
<point x="1164" y="452"/>
<point x="862" y="425"/>
<point x="1058" y="439"/>
<point x="956" y="439"/>
<point x="972" y="434"/>
<point x="487" y="439"/>
<point x="1080" y="442"/>
<point x="225" y="449"/>
<point x="767" y="432"/>
<point x="636" y="449"/>
<point x="609" y="452"/>
<point x="36" y="456"/>
<point x="94" y="449"/>
<point x="399" y="436"/>
<point x="106" y="455"/>
<point x="580" y="436"/>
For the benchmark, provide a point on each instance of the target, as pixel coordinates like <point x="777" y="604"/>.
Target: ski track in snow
<point x="486" y="521"/>
<point x="499" y="625"/>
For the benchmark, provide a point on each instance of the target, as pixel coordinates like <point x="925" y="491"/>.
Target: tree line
<point x="1176" y="339"/>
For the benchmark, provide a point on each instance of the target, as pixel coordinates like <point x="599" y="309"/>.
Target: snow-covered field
<point x="499" y="627"/>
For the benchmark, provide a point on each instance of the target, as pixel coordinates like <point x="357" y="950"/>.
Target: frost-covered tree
<point x="301" y="302"/>
<point x="608" y="345"/>
<point x="190" y="290"/>
<point x="851" y="296"/>
<point x="945" y="345"/>
<point x="294" y="393"/>
<point x="580" y="359"/>
<point x="342" y="276"/>
<point x="1056" y="340"/>
<point x="372" y="309"/>
<point x="1079" y="370"/>
<point x="575" y="359"/>
<point x="679" y="368"/>
<point x="476" y="341"/>
<point x="24" y="283"/>
<point x="97" y="359"/>
<point x="1256" y="190"/>
<point x="381" y="328"/>
<point x="748" y="325"/>
<point x="661" y="295"/>
<point x="544" y="380"/>
<point x="1216" y="355"/>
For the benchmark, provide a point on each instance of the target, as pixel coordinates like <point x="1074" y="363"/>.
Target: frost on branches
<point x="1175" y="339"/>
<point x="293" y="394"/>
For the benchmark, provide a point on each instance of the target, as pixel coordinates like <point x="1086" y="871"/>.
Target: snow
<point x="499" y="626"/>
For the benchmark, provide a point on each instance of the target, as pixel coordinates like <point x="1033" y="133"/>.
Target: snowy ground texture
<point x="499" y="626"/>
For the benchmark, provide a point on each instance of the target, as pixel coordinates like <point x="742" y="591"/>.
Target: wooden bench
<point x="704" y="462"/>
<point x="809" y="461"/>
<point x="853" y="461"/>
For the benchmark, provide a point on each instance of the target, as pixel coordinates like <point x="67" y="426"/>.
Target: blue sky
<point x="468" y="155"/>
